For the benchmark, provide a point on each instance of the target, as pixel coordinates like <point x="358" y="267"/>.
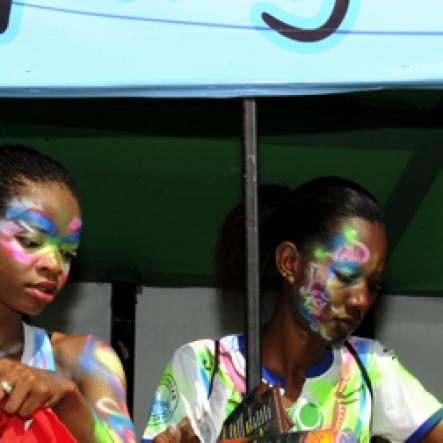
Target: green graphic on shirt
<point x="310" y="416"/>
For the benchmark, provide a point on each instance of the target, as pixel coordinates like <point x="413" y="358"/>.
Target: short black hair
<point x="19" y="163"/>
<point x="303" y="216"/>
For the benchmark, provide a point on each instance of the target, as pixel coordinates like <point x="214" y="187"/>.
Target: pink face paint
<point x="75" y="225"/>
<point x="11" y="246"/>
<point x="357" y="252"/>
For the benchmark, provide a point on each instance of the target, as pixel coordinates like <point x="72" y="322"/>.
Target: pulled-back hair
<point x="19" y="163"/>
<point x="304" y="216"/>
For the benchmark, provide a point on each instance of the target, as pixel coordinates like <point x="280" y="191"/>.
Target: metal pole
<point x="252" y="333"/>
<point x="123" y="301"/>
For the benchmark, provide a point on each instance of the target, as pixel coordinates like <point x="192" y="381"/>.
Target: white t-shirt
<point x="334" y="397"/>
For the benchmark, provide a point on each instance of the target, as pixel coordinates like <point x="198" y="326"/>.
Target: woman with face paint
<point x="322" y="254"/>
<point x="77" y="377"/>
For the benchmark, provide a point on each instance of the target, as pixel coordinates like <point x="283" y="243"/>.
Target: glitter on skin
<point x="347" y="256"/>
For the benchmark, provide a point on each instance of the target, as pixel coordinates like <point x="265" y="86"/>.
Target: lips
<point x="347" y="323"/>
<point x="44" y="291"/>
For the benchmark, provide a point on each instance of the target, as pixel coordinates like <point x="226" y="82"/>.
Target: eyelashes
<point x="68" y="255"/>
<point x="349" y="279"/>
<point x="346" y="279"/>
<point x="31" y="243"/>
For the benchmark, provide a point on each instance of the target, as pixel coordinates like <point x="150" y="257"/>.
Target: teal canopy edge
<point x="210" y="90"/>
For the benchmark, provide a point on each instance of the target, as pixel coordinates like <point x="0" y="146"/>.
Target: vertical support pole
<point x="252" y="333"/>
<point x="123" y="300"/>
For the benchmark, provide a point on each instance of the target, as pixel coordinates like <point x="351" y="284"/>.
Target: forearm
<point x="77" y="415"/>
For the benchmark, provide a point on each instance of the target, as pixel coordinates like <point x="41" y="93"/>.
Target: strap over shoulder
<point x="362" y="367"/>
<point x="215" y="365"/>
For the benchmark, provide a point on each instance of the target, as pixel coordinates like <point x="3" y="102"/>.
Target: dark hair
<point x="19" y="163"/>
<point x="303" y="216"/>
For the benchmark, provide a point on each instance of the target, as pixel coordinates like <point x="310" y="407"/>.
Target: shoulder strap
<point x="214" y="366"/>
<point x="362" y="367"/>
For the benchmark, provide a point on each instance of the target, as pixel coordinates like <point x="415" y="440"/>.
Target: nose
<point x="51" y="263"/>
<point x="361" y="298"/>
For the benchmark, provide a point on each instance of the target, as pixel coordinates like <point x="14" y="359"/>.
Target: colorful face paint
<point x="29" y="236"/>
<point x="39" y="234"/>
<point x="112" y="423"/>
<point x="332" y="273"/>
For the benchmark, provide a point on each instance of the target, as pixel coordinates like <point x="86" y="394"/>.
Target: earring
<point x="284" y="274"/>
<point x="291" y="279"/>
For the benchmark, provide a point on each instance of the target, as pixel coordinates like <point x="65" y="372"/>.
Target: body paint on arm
<point x="99" y="363"/>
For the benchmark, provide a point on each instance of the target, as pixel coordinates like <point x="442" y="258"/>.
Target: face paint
<point x="315" y="298"/>
<point x="39" y="234"/>
<point x="29" y="235"/>
<point x="328" y="274"/>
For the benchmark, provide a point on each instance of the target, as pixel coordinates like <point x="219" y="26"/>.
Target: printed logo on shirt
<point x="308" y="416"/>
<point x="165" y="401"/>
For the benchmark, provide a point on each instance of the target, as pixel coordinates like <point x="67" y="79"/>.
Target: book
<point x="290" y="437"/>
<point x="261" y="413"/>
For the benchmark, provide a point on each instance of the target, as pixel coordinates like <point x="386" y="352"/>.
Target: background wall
<point x="169" y="317"/>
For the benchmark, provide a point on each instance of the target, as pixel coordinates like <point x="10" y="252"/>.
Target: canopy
<point x="157" y="177"/>
<point x="192" y="48"/>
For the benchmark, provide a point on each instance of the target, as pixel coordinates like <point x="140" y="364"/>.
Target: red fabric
<point x="45" y="428"/>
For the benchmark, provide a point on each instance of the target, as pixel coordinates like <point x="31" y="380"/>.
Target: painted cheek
<point x="66" y="264"/>
<point x="333" y="290"/>
<point x="320" y="298"/>
<point x="316" y="291"/>
<point x="16" y="252"/>
<point x="65" y="275"/>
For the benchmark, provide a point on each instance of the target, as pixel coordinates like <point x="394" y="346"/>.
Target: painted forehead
<point x="344" y="246"/>
<point x="26" y="212"/>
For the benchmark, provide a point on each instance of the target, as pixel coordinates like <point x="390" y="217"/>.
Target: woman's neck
<point x="287" y="348"/>
<point x="11" y="334"/>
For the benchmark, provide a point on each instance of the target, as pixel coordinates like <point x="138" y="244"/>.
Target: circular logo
<point x="309" y="416"/>
<point x="165" y="401"/>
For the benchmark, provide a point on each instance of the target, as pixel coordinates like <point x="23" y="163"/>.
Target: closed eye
<point x="346" y="279"/>
<point x="68" y="254"/>
<point x="28" y="243"/>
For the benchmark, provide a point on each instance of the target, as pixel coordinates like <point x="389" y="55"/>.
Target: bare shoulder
<point x="85" y="354"/>
<point x="71" y="350"/>
<point x="70" y="344"/>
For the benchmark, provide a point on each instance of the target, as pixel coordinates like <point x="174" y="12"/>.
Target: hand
<point x="32" y="388"/>
<point x="181" y="432"/>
